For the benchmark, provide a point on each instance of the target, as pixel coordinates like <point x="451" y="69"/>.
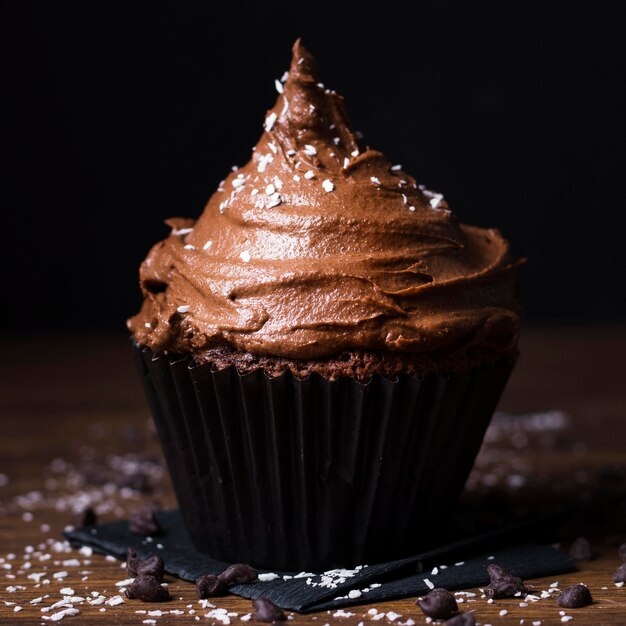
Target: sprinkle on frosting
<point x="347" y="270"/>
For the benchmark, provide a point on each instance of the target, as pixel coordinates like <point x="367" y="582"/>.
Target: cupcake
<point x="323" y="348"/>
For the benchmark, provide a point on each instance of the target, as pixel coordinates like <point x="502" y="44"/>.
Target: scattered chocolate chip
<point x="86" y="518"/>
<point x="503" y="584"/>
<point x="438" y="604"/>
<point x="144" y="522"/>
<point x="238" y="574"/>
<point x="620" y="574"/>
<point x="154" y="565"/>
<point x="574" y="597"/>
<point x="267" y="611"/>
<point x="581" y="550"/>
<point x="462" y="619"/>
<point x="622" y="552"/>
<point x="209" y="586"/>
<point x="148" y="589"/>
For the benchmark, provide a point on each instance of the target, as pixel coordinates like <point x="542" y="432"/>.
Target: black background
<point x="120" y="115"/>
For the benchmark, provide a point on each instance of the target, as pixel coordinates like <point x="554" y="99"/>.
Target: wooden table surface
<point x="74" y="426"/>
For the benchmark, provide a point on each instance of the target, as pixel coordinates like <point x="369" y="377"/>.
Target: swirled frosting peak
<point x="317" y="246"/>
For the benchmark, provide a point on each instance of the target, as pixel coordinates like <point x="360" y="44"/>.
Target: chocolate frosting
<point x="316" y="246"/>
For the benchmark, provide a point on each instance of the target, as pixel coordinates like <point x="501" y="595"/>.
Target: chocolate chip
<point x="620" y="574"/>
<point x="148" y="589"/>
<point x="438" y="604"/>
<point x="574" y="597"/>
<point x="462" y="619"/>
<point x="86" y="518"/>
<point x="267" y="611"/>
<point x="154" y="565"/>
<point x="144" y="522"/>
<point x="503" y="584"/>
<point x="581" y="550"/>
<point x="622" y="552"/>
<point x="209" y="586"/>
<point x="238" y="574"/>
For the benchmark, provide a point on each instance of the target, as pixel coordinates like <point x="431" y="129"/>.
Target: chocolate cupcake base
<point x="309" y="473"/>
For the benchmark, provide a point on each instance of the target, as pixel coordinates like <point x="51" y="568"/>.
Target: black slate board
<point x="396" y="579"/>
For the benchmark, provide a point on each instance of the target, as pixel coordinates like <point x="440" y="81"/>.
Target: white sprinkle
<point x="182" y="231"/>
<point x="291" y="152"/>
<point x="183" y="308"/>
<point x="238" y="182"/>
<point x="392" y="616"/>
<point x="342" y="613"/>
<point x="245" y="256"/>
<point x="189" y="247"/>
<point x="412" y="208"/>
<point x="272" y="147"/>
<point x="309" y="174"/>
<point x="310" y="150"/>
<point x="279" y="86"/>
<point x="124" y="583"/>
<point x="285" y="106"/>
<point x="278" y="183"/>
<point x="207" y="245"/>
<point x="396" y="168"/>
<point x="246" y="618"/>
<point x="268" y="576"/>
<point x="434" y="203"/>
<point x="67" y="591"/>
<point x="57" y="617"/>
<point x="566" y="618"/>
<point x="269" y="121"/>
<point x="404" y="198"/>
<point x="354" y="593"/>
<point x="373" y="611"/>
<point x="490" y="601"/>
<point x="523" y="604"/>
<point x="491" y="558"/>
<point x="429" y="584"/>
<point x="435" y="571"/>
<point x="59" y="575"/>
<point x="36" y="600"/>
<point x="149" y="621"/>
<point x="346" y="162"/>
<point x="148" y="325"/>
<point x="355" y="153"/>
<point x="284" y="77"/>
<point x="503" y="612"/>
<point x="375" y="180"/>
<point x="328" y="185"/>
<point x="460" y="562"/>
<point x="537" y="623"/>
<point x="17" y="609"/>
<point x="275" y="200"/>
<point x="86" y="551"/>
<point x="555" y="584"/>
<point x="270" y="189"/>
<point x="619" y="584"/>
<point x="264" y="161"/>
<point x="296" y="178"/>
<point x="115" y="600"/>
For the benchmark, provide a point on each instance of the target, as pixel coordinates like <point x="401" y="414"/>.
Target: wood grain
<point x="67" y="404"/>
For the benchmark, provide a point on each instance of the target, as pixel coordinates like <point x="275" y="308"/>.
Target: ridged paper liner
<point x="309" y="474"/>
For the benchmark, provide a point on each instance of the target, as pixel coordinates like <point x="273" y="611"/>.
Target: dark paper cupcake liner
<point x="309" y="474"/>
